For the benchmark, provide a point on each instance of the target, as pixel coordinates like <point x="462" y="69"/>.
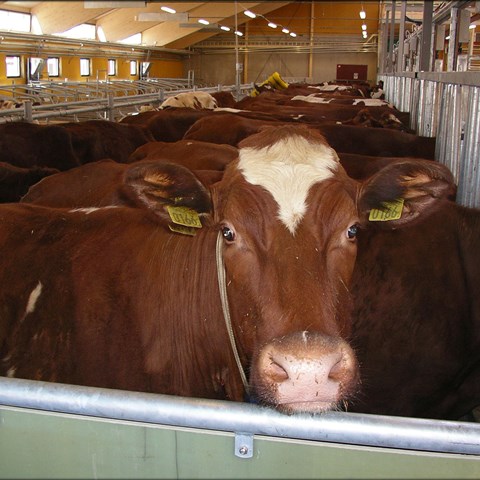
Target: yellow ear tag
<point x="183" y="230"/>
<point x="392" y="211"/>
<point x="184" y="216"/>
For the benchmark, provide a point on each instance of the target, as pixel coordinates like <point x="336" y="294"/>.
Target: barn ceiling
<point x="121" y="19"/>
<point x="181" y="31"/>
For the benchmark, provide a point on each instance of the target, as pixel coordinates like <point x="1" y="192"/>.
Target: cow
<point x="416" y="319"/>
<point x="94" y="140"/>
<point x="15" y="181"/>
<point x="27" y="145"/>
<point x="231" y="129"/>
<point x="195" y="99"/>
<point x="130" y="298"/>
<point x="168" y="125"/>
<point x="193" y="154"/>
<point x="100" y="184"/>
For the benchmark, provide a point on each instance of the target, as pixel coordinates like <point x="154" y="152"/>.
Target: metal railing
<point x="247" y="419"/>
<point x="107" y="106"/>
<point x="445" y="106"/>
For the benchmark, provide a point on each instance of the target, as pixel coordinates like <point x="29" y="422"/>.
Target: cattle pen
<point x="426" y="54"/>
<point x="58" y="431"/>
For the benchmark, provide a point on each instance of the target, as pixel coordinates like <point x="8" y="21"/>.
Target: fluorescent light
<point x="285" y="30"/>
<point x="447" y="37"/>
<point x="237" y="32"/>
<point x="204" y="22"/>
<point x="472" y="26"/>
<point x="363" y="14"/>
<point x="293" y="34"/>
<point x="168" y="9"/>
<point x="364" y="33"/>
<point x="250" y="14"/>
<point x="272" y="25"/>
<point x="223" y="27"/>
<point x="364" y="27"/>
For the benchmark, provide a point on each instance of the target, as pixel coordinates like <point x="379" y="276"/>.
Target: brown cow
<point x="193" y="154"/>
<point x="100" y="184"/>
<point x="15" y="181"/>
<point x="108" y="297"/>
<point x="231" y="129"/>
<point x="27" y="145"/>
<point x="168" y="125"/>
<point x="97" y="139"/>
<point x="416" y="322"/>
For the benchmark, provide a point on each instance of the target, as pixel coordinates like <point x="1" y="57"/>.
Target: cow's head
<point x="288" y="216"/>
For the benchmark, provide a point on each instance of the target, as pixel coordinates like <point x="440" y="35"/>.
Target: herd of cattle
<point x="311" y="223"/>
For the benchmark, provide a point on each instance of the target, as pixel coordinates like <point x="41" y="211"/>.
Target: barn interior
<point x="68" y="64"/>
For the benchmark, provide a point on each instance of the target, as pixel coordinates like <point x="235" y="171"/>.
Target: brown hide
<point x="231" y="129"/>
<point x="15" y="181"/>
<point x="110" y="297"/>
<point x="97" y="184"/>
<point x="416" y="317"/>
<point x="27" y="145"/>
<point x="193" y="154"/>
<point x="97" y="139"/>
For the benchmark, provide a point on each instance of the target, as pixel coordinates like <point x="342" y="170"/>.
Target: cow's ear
<point x="403" y="192"/>
<point x="161" y="185"/>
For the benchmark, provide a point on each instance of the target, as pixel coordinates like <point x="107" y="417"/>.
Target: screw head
<point x="243" y="450"/>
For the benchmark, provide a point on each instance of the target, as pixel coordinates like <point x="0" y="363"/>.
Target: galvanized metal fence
<point x="111" y="104"/>
<point x="445" y="106"/>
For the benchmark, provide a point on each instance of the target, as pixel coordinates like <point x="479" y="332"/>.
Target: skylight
<point x="14" y="21"/>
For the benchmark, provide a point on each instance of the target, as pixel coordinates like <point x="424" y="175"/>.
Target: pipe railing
<point x="108" y="107"/>
<point x="335" y="427"/>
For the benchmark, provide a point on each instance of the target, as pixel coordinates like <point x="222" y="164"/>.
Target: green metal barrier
<point x="37" y="443"/>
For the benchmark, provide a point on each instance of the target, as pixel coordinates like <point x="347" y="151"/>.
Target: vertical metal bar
<point x="452" y="43"/>
<point x="392" y="39"/>
<point x="425" y="47"/>
<point x="401" y="37"/>
<point x="468" y="193"/>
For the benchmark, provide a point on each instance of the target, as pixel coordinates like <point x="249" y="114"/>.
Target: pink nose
<point x="305" y="372"/>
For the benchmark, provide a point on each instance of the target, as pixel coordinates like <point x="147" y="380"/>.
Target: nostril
<point x="336" y="371"/>
<point x="276" y="372"/>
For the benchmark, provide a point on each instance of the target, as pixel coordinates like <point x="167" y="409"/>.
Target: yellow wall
<point x="69" y="70"/>
<point x="166" y="69"/>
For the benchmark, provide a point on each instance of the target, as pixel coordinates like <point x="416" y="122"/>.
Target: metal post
<point x="401" y="38"/>
<point x="391" y="67"/>
<point x="424" y="63"/>
<point x="452" y="43"/>
<point x="110" y="107"/>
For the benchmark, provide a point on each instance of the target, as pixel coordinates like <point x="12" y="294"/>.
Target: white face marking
<point x="11" y="372"/>
<point x="287" y="170"/>
<point x="32" y="299"/>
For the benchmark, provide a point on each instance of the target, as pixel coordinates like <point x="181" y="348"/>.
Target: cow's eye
<point x="228" y="234"/>
<point x="352" y="232"/>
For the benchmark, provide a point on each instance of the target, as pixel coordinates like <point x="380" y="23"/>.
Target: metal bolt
<point x="243" y="450"/>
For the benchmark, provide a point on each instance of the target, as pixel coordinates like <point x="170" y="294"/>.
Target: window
<point x="133" y="40"/>
<point x="112" y="66"/>
<point x="84" y="67"/>
<point x="14" y="21"/>
<point x="145" y="68"/>
<point x="13" y="65"/>
<point x="53" y="66"/>
<point x="35" y="68"/>
<point x="85" y="31"/>
<point x="133" y="67"/>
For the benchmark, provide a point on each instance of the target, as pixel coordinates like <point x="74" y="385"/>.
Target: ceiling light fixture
<point x="285" y="30"/>
<point x="364" y="27"/>
<point x="293" y="34"/>
<point x="204" y="22"/>
<point x="168" y="10"/>
<point x="250" y="14"/>
<point x="272" y="25"/>
<point x="237" y="32"/>
<point x="363" y="14"/>
<point x="223" y="27"/>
